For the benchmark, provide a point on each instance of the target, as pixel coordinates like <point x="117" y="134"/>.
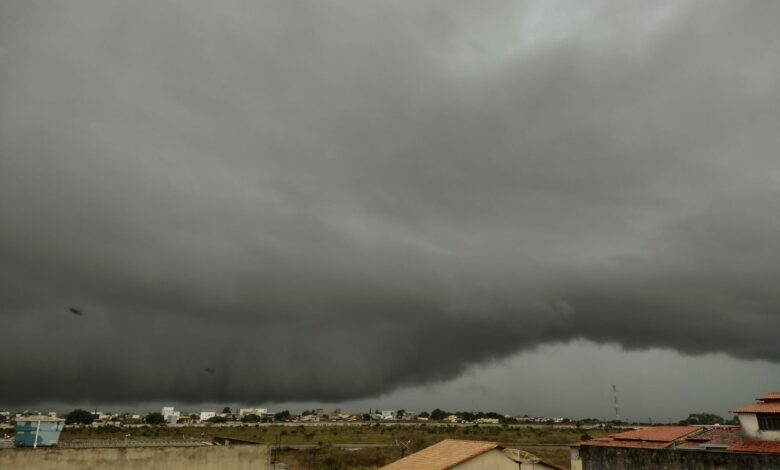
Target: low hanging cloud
<point x="331" y="200"/>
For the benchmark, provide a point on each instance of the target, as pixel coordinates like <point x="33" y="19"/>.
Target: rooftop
<point x="38" y="418"/>
<point x="696" y="438"/>
<point x="762" y="447"/>
<point x="720" y="437"/>
<point x="770" y="396"/>
<point x="765" y="407"/>
<point x="657" y="434"/>
<point x="442" y="456"/>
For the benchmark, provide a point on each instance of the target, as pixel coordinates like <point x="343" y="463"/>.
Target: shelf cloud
<point x="331" y="200"/>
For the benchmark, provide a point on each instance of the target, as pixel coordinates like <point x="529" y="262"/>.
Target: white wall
<point x="493" y="460"/>
<point x="749" y="424"/>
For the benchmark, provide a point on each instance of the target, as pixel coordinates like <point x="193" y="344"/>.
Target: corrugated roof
<point x="767" y="407"/>
<point x="762" y="447"/>
<point x="657" y="434"/>
<point x="442" y="456"/>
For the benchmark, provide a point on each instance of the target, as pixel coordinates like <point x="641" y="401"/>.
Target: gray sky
<point x="346" y="202"/>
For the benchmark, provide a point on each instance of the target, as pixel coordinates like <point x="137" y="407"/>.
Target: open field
<point x="548" y="442"/>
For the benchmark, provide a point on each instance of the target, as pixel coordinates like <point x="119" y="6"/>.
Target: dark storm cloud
<point x="329" y="200"/>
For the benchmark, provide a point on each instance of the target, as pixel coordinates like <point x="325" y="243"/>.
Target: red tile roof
<point x="631" y="444"/>
<point x="763" y="447"/>
<point x="770" y="396"/>
<point x="645" y="438"/>
<point x="719" y="437"/>
<point x="442" y="456"/>
<point x="767" y="407"/>
<point x="657" y="434"/>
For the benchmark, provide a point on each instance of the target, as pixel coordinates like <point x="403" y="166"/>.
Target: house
<point x="761" y="421"/>
<point x="754" y="444"/>
<point x="469" y="455"/>
<point x="206" y="415"/>
<point x="252" y="411"/>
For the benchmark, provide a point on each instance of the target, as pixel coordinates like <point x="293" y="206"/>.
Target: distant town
<point x="168" y="415"/>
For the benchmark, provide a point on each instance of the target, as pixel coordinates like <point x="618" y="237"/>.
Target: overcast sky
<point x="361" y="202"/>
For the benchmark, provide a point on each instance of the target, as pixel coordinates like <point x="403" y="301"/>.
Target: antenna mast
<point x="617" y="407"/>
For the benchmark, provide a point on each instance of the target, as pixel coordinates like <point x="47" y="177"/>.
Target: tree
<point x="400" y="415"/>
<point x="154" y="418"/>
<point x="217" y="419"/>
<point x="253" y="418"/>
<point x="282" y="416"/>
<point x="79" y="416"/>
<point x="226" y="410"/>
<point x="703" y="418"/>
<point x="438" y="415"/>
<point x="424" y="414"/>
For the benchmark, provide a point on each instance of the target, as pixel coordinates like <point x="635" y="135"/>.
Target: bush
<point x="251" y="419"/>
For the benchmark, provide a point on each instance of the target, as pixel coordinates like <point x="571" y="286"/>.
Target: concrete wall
<point x="493" y="460"/>
<point x="139" y="458"/>
<point x="749" y="423"/>
<point x="618" y="458"/>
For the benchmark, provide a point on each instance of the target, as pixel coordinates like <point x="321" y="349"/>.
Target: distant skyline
<point x="407" y="203"/>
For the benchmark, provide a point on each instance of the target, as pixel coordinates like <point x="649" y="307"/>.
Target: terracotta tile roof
<point x="719" y="437"/>
<point x="631" y="444"/>
<point x="770" y="396"/>
<point x="762" y="447"/>
<point x="658" y="437"/>
<point x="657" y="434"/>
<point x="768" y="407"/>
<point x="442" y="456"/>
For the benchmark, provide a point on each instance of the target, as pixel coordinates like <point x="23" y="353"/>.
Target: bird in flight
<point x="75" y="311"/>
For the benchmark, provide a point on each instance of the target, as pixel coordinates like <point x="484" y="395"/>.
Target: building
<point x="753" y="445"/>
<point x="761" y="421"/>
<point x="206" y="415"/>
<point x="469" y="455"/>
<point x="37" y="430"/>
<point x="170" y="415"/>
<point x="252" y="411"/>
<point x="387" y="414"/>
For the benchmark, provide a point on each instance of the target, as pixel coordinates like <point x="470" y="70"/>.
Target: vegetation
<point x="217" y="419"/>
<point x="154" y="418"/>
<point x="251" y="419"/>
<point x="707" y="419"/>
<point x="79" y="416"/>
<point x="547" y="442"/>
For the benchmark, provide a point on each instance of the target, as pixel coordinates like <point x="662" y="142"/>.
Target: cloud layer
<point x="325" y="201"/>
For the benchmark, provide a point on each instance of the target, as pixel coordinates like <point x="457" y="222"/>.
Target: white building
<point x="206" y="415"/>
<point x="253" y="411"/>
<point x="388" y="414"/>
<point x="167" y="411"/>
<point x="761" y="421"/>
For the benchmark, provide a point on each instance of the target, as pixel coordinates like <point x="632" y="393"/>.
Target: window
<point x="768" y="422"/>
